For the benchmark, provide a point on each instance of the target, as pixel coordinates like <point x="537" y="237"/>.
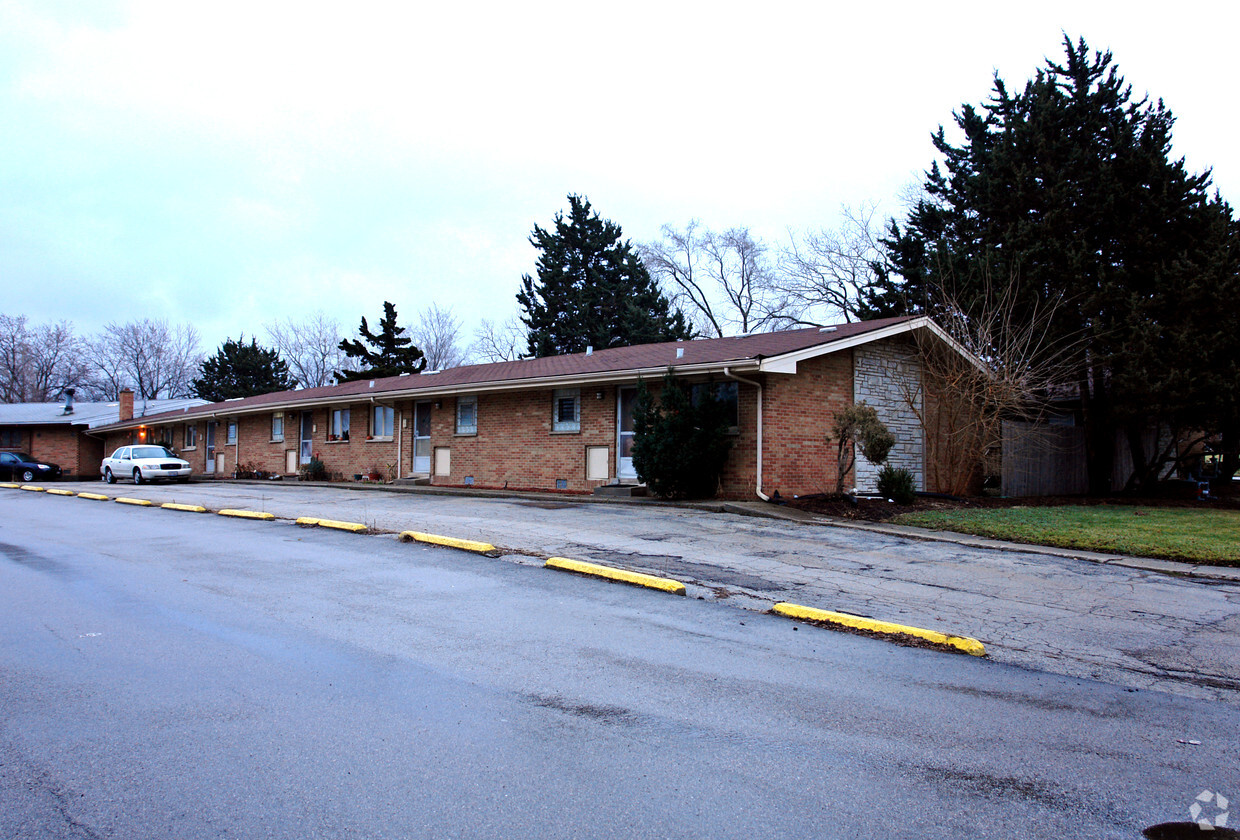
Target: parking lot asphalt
<point x="1121" y="620"/>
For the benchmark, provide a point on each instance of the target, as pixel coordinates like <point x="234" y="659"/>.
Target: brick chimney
<point x="126" y="405"/>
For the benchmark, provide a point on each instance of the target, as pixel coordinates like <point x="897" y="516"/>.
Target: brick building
<point x="565" y="422"/>
<point x="63" y="433"/>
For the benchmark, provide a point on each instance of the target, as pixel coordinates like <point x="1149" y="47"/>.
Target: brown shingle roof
<point x="703" y="352"/>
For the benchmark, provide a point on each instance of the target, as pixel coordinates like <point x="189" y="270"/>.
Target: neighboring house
<point x="63" y="433"/>
<point x="566" y="422"/>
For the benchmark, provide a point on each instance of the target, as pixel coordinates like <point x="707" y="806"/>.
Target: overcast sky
<point x="233" y="162"/>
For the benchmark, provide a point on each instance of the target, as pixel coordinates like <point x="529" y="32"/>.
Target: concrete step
<point x="620" y="490"/>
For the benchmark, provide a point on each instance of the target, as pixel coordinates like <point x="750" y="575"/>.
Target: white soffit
<point x="787" y="362"/>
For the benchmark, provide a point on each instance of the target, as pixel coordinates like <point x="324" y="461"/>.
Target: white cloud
<point x="358" y="153"/>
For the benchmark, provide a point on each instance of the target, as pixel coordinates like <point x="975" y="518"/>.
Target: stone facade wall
<point x="887" y="375"/>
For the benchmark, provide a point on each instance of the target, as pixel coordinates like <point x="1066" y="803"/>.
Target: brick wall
<point x="515" y="445"/>
<point x="797" y="457"/>
<point x="739" y="477"/>
<point x="57" y="445"/>
<point x="888" y="377"/>
<point x="22" y="442"/>
<point x="66" y="446"/>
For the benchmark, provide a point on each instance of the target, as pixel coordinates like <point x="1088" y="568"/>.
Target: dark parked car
<point x="18" y="466"/>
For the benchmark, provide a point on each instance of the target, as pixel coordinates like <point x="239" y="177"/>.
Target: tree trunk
<point x="1143" y="472"/>
<point x="1099" y="432"/>
<point x="1231" y="451"/>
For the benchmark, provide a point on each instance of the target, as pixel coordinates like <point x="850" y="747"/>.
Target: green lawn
<point x="1197" y="536"/>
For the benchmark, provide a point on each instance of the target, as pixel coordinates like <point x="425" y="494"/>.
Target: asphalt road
<point x="1129" y="626"/>
<point x="172" y="675"/>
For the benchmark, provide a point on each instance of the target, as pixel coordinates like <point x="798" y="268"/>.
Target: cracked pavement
<point x="1133" y="627"/>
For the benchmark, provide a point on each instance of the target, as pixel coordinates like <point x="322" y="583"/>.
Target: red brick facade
<point x="515" y="447"/>
<point x="514" y="444"/>
<point x="66" y="446"/>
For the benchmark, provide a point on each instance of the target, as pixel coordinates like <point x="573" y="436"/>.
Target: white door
<point x="422" y="437"/>
<point x="306" y="449"/>
<point x="626" y="398"/>
<point x="209" y="466"/>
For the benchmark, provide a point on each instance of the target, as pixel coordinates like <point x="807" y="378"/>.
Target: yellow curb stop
<point x="621" y="575"/>
<point x="56" y="491"/>
<point x="450" y="542"/>
<point x="140" y="502"/>
<point x="963" y="643"/>
<point x="98" y="497"/>
<point x="8" y="486"/>
<point x="355" y="527"/>
<point x="186" y="508"/>
<point x="246" y="514"/>
<point x="32" y="488"/>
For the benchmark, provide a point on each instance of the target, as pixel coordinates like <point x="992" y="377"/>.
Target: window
<point x="277" y="426"/>
<point x="11" y="438"/>
<point x="467" y="415"/>
<point x="232" y="433"/>
<point x="191" y="436"/>
<point x="381" y="421"/>
<point x="566" y="411"/>
<point x="340" y="425"/>
<point x="726" y="394"/>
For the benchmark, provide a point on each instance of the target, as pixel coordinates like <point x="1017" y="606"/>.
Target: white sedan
<point x="144" y="463"/>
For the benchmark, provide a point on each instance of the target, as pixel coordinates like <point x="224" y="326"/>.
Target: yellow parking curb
<point x="962" y="643"/>
<point x="141" y="502"/>
<point x="10" y="486"/>
<point x="246" y="514"/>
<point x="355" y="527"/>
<point x="622" y="575"/>
<point x="98" y="497"/>
<point x="32" y="488"/>
<point x="56" y="491"/>
<point x="186" y="508"/>
<point x="450" y="542"/>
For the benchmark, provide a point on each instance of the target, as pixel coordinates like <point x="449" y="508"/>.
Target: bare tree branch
<point x="963" y="406"/>
<point x="498" y="341"/>
<point x="723" y="282"/>
<point x="438" y="335"/>
<point x="825" y="274"/>
<point x="37" y="363"/>
<point x="155" y="360"/>
<point x="14" y="358"/>
<point x="311" y="347"/>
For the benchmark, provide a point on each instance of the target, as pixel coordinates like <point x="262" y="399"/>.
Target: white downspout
<point x="758" y="488"/>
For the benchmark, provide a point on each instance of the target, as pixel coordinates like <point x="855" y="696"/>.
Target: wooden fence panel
<point x="1040" y="459"/>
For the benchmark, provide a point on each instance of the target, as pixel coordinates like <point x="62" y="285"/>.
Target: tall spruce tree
<point x="592" y="290"/>
<point x="394" y="353"/>
<point x="241" y="370"/>
<point x="680" y="445"/>
<point x="1067" y="189"/>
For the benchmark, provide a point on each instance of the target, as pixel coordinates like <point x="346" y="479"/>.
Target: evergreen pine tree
<point x="592" y="290"/>
<point x="1067" y="190"/>
<point x="394" y="353"/>
<point x="241" y="370"/>
<point x="680" y="442"/>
